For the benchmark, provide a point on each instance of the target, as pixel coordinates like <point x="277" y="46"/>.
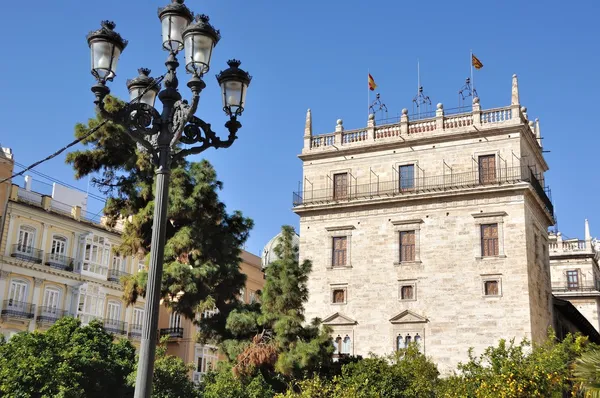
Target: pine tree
<point x="285" y="345"/>
<point x="202" y="251"/>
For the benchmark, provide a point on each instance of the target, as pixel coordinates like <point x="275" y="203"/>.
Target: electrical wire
<point x="78" y="140"/>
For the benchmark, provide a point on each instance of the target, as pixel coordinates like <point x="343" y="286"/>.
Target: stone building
<point x="575" y="273"/>
<point x="429" y="230"/>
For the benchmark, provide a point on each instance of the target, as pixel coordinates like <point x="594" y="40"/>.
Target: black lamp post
<point x="158" y="132"/>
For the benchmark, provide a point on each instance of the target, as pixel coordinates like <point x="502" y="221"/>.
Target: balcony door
<point x="17" y="294"/>
<point x="174" y="321"/>
<point x="59" y="249"/>
<point x="573" y="280"/>
<point x="487" y="169"/>
<point x="340" y="186"/>
<point x="26" y="240"/>
<point x="407" y="177"/>
<point x="51" y="301"/>
<point x="113" y="313"/>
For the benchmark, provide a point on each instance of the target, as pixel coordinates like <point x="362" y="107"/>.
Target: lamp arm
<point x="198" y="131"/>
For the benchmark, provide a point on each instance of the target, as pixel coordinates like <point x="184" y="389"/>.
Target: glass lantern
<point x="234" y="84"/>
<point x="106" y="47"/>
<point x="199" y="38"/>
<point x="140" y="84"/>
<point x="174" y="19"/>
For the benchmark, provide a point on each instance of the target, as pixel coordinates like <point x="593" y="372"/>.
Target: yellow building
<point x="56" y="260"/>
<point x="182" y="332"/>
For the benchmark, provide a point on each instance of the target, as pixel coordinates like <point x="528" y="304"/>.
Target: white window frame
<point x="90" y="304"/>
<point x="96" y="255"/>
<point x="18" y="293"/>
<point x="138" y="318"/>
<point x="29" y="232"/>
<point x="174" y="320"/>
<point x="205" y="359"/>
<point x="51" y="301"/>
<point x="113" y="310"/>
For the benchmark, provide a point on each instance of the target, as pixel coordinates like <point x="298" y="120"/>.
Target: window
<point x="407" y="246"/>
<point x="210" y="313"/>
<point x="487" y="169"/>
<point x="51" y="302"/>
<point x="407" y="292"/>
<point x="573" y="279"/>
<point x="243" y="294"/>
<point x="340" y="246"/>
<point x="174" y="320"/>
<point x="97" y="255"/>
<point x="491" y="288"/>
<point x="90" y="305"/>
<point x="407" y="177"/>
<point x="138" y="318"/>
<point x="340" y="186"/>
<point x="141" y="265"/>
<point x="406" y="339"/>
<point x="26" y="239"/>
<point x="118" y="263"/>
<point x="399" y="343"/>
<point x="206" y="358"/>
<point x="489" y="240"/>
<point x="17" y="294"/>
<point x="338" y="296"/>
<point x="113" y="311"/>
<point x="343" y="345"/>
<point x="59" y="247"/>
<point x="252" y="298"/>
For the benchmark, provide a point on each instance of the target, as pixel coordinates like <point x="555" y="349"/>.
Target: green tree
<point x="587" y="372"/>
<point x="171" y="376"/>
<point x="518" y="370"/>
<point x="203" y="240"/>
<point x="66" y="361"/>
<point x="272" y="338"/>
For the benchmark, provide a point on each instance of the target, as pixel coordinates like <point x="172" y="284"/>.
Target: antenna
<point x="421" y="102"/>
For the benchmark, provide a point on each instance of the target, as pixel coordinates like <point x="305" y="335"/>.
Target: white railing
<point x="31" y="197"/>
<point x="570" y="246"/>
<point x="354" y="136"/>
<point x="421" y="127"/>
<point x="496" y="115"/>
<point x="387" y="131"/>
<point x="323" y="140"/>
<point x="453" y="122"/>
<point x="61" y="207"/>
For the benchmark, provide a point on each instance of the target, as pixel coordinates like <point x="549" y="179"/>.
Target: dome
<point x="268" y="253"/>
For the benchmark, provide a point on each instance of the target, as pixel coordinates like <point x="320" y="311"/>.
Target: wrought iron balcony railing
<point x="17" y="309"/>
<point x="26" y="253"/>
<point x="49" y="315"/>
<point x="115" y="327"/>
<point x="114" y="275"/>
<point x="135" y="332"/>
<point x="59" y="261"/>
<point x="575" y="288"/>
<point x="411" y="186"/>
<point x="172" y="332"/>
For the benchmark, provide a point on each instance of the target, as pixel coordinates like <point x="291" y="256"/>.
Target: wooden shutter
<point x="407" y="292"/>
<point x="338" y="296"/>
<point x="487" y="169"/>
<point x="491" y="288"/>
<point x="489" y="240"/>
<point x="407" y="246"/>
<point x="339" y="251"/>
<point x="340" y="186"/>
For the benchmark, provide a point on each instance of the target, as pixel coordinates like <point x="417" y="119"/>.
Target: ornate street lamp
<point x="158" y="133"/>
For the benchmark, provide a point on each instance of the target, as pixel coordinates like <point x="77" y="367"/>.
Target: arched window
<point x="338" y="344"/>
<point x="26" y="240"/>
<point x="18" y="293"/>
<point x="51" y="301"/>
<point x="399" y="343"/>
<point x="417" y="339"/>
<point x="407" y="341"/>
<point x="347" y="345"/>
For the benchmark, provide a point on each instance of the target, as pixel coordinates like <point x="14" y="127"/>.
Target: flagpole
<point x="368" y="92"/>
<point x="471" y="63"/>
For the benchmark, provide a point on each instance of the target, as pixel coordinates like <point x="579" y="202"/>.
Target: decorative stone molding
<point x="4" y="274"/>
<point x="37" y="282"/>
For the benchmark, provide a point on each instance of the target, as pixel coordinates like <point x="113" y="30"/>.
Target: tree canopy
<point x="201" y="261"/>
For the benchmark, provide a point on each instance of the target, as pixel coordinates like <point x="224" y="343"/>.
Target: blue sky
<point x="315" y="54"/>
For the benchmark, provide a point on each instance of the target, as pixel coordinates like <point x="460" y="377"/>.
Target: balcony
<point x="115" y="327"/>
<point x="26" y="253"/>
<point x="173" y="333"/>
<point x="12" y="309"/>
<point x="572" y="288"/>
<point x="49" y="315"/>
<point x="135" y="332"/>
<point x="58" y="261"/>
<point x="114" y="275"/>
<point x="430" y="184"/>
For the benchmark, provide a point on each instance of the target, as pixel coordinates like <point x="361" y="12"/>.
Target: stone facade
<point x="442" y="182"/>
<point x="575" y="273"/>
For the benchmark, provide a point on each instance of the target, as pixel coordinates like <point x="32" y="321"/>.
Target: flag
<point x="372" y="85"/>
<point x="476" y="62"/>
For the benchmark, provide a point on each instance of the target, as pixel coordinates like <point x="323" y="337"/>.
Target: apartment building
<point x="431" y="229"/>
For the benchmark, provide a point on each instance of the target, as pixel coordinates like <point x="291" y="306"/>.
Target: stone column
<point x="44" y="237"/>
<point x="37" y="290"/>
<point x="515" y="104"/>
<point x="371" y="127"/>
<point x="72" y="300"/>
<point x="11" y="227"/>
<point x="3" y="285"/>
<point x="476" y="112"/>
<point x="404" y="122"/>
<point x="339" y="130"/>
<point x="587" y="236"/>
<point x="439" y="117"/>
<point x="308" y="130"/>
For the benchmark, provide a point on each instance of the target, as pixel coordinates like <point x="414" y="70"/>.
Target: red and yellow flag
<point x="372" y="85"/>
<point x="476" y="62"/>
